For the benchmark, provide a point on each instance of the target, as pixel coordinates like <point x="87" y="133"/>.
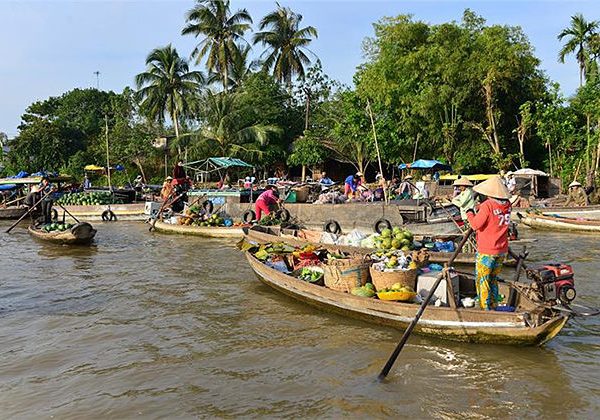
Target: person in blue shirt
<point x="325" y="181"/>
<point x="351" y="184"/>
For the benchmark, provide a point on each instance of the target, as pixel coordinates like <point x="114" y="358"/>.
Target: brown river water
<point x="159" y="326"/>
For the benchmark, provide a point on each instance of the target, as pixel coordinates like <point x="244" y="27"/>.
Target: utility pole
<point x="107" y="155"/>
<point x="97" y="73"/>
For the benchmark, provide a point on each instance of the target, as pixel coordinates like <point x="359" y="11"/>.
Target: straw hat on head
<point x="493" y="187"/>
<point x="359" y="174"/>
<point x="462" y="182"/>
<point x="408" y="177"/>
<point x="574" y="184"/>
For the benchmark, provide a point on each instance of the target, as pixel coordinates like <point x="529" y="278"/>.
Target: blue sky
<point x="49" y="47"/>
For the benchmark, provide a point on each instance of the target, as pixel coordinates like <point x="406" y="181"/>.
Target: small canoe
<point x="80" y="234"/>
<point x="547" y="222"/>
<point x="205" y="231"/>
<point x="524" y="327"/>
<point x="587" y="212"/>
<point x="12" y="213"/>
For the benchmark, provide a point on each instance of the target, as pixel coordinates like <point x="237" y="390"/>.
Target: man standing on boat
<point x="577" y="196"/>
<point x="465" y="200"/>
<point x="491" y="224"/>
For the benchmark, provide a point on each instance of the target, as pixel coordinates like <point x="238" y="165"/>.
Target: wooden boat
<point x="206" y="231"/>
<point x="541" y="221"/>
<point x="529" y="325"/>
<point x="80" y="234"/>
<point x="131" y="212"/>
<point x="588" y="212"/>
<point x="12" y="213"/>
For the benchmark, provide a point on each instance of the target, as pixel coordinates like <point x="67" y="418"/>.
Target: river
<point x="160" y="326"/>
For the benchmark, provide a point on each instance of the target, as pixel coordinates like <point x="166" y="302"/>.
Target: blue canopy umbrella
<point x="425" y="164"/>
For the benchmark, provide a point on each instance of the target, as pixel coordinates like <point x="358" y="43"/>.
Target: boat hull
<point x="207" y="232"/>
<point x="466" y="325"/>
<point x="80" y="234"/>
<point x="12" y="213"/>
<point x="131" y="212"/>
<point x="559" y="224"/>
<point x="588" y="212"/>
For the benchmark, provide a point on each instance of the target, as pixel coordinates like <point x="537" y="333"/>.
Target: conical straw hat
<point x="462" y="182"/>
<point x="493" y="187"/>
<point x="574" y="184"/>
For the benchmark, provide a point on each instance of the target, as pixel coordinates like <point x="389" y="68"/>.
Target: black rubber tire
<point x="283" y="215"/>
<point x="208" y="206"/>
<point x="109" y="216"/>
<point x="54" y="214"/>
<point x="332" y="226"/>
<point x="377" y="227"/>
<point x="249" y="216"/>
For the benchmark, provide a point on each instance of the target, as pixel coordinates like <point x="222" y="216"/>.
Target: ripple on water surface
<point x="170" y="326"/>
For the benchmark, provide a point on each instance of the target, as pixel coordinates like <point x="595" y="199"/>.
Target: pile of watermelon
<point x="56" y="227"/>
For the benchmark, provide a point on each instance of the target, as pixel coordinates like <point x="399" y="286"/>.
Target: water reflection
<point x="169" y="326"/>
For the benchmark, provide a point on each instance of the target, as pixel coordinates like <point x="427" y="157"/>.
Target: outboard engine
<point x="555" y="282"/>
<point x="513" y="233"/>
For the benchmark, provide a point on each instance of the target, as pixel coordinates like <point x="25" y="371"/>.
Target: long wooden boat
<point x="205" y="231"/>
<point x="524" y="327"/>
<point x="131" y="212"/>
<point x="12" y="213"/>
<point x="80" y="234"/>
<point x="587" y="212"/>
<point x="540" y="221"/>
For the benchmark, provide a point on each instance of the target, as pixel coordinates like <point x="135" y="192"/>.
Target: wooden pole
<point x="28" y="212"/>
<point x="385" y="195"/>
<point x="107" y="154"/>
<point x="388" y="366"/>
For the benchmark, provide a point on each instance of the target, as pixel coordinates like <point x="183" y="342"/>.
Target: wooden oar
<point x="14" y="201"/>
<point x="67" y="211"/>
<point x="388" y="366"/>
<point x="28" y="211"/>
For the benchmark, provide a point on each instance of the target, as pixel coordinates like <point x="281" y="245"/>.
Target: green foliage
<point x="222" y="32"/>
<point x="454" y="85"/>
<point x="285" y="43"/>
<point x="307" y="151"/>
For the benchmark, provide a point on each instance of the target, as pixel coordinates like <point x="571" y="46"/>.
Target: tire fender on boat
<point x="332" y="226"/>
<point x="283" y="215"/>
<point x="208" y="206"/>
<point x="54" y="214"/>
<point x="109" y="216"/>
<point x="381" y="224"/>
<point x="249" y="216"/>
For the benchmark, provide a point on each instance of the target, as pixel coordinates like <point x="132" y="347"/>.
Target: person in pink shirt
<point x="266" y="201"/>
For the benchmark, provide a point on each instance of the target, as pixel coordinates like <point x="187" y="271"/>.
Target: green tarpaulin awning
<point x="215" y="164"/>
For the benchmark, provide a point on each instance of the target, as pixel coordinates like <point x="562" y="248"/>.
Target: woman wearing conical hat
<point x="465" y="200"/>
<point x="491" y="224"/>
<point x="577" y="196"/>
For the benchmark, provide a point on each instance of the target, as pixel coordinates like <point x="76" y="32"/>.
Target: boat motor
<point x="554" y="281"/>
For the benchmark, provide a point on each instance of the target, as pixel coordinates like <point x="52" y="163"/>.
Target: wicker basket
<point x="384" y="279"/>
<point x="345" y="274"/>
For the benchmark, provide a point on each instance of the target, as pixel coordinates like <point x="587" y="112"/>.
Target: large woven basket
<point x="385" y="279"/>
<point x="345" y="274"/>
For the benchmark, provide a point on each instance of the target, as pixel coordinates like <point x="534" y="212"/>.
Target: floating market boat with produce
<point x="264" y="234"/>
<point x="205" y="231"/>
<point x="102" y="205"/>
<point x="64" y="234"/>
<point x="547" y="222"/>
<point x="530" y="324"/>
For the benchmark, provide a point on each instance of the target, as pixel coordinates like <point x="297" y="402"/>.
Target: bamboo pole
<point x="107" y="154"/>
<point x="385" y="194"/>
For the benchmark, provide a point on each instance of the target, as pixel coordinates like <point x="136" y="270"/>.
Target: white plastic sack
<point x="329" y="238"/>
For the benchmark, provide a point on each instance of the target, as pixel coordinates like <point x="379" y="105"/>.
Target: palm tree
<point x="285" y="43"/>
<point x="578" y="36"/>
<point x="226" y="132"/>
<point x="167" y="87"/>
<point x="239" y="69"/>
<point x="222" y="32"/>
